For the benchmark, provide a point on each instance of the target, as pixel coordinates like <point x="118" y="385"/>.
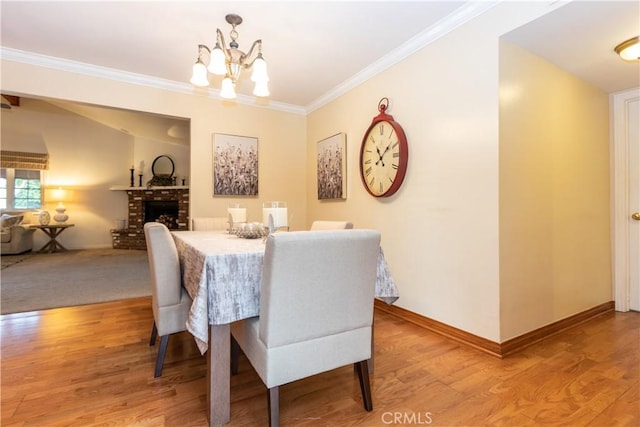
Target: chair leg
<point x="273" y="399"/>
<point x="154" y="334"/>
<point x="161" y="352"/>
<point x="235" y="355"/>
<point x="365" y="388"/>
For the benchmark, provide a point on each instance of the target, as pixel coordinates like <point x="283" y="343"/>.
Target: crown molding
<point x="82" y="68"/>
<point x="462" y="15"/>
<point x="452" y="21"/>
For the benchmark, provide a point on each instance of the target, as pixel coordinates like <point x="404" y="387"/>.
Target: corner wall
<point x="555" y="254"/>
<point x="440" y="231"/>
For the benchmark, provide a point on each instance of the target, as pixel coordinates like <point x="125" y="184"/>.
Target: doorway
<point x="626" y="199"/>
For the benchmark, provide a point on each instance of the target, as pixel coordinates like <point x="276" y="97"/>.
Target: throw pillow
<point x="8" y="221"/>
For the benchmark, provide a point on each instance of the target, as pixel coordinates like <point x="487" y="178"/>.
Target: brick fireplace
<point x="166" y="204"/>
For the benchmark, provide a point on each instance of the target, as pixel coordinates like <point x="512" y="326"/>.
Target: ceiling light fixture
<point x="629" y="50"/>
<point x="230" y="62"/>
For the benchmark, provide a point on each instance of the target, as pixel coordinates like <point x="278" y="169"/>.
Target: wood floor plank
<point x="92" y="365"/>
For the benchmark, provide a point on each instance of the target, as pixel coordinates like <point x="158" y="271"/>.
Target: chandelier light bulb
<point x="227" y="90"/>
<point x="261" y="89"/>
<point x="259" y="73"/>
<point x="199" y="76"/>
<point x="217" y="64"/>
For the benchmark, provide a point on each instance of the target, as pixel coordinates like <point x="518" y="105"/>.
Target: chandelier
<point x="229" y="62"/>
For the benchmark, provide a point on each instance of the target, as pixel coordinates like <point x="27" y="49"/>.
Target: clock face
<point x="383" y="158"/>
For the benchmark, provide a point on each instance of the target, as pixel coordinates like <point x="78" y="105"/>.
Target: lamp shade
<point x="261" y="89"/>
<point x="259" y="73"/>
<point x="57" y="195"/>
<point x="227" y="90"/>
<point x="199" y="76"/>
<point x="217" y="64"/>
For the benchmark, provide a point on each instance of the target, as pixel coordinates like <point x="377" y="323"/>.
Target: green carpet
<point x="77" y="277"/>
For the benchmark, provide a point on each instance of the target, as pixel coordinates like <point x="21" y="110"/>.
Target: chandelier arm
<point x="227" y="55"/>
<point x="250" y="53"/>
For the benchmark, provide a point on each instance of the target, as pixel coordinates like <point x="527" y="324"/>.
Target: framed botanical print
<point x="332" y="167"/>
<point x="235" y="165"/>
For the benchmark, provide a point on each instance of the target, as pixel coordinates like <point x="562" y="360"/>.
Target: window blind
<point x="21" y="160"/>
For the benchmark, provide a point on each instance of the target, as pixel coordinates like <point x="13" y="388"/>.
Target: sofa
<point x="16" y="234"/>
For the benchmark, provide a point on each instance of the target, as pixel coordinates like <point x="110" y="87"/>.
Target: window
<point x="20" y="189"/>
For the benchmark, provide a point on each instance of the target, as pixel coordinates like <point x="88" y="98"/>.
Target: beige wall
<point x="282" y="150"/>
<point x="554" y="193"/>
<point x="85" y="158"/>
<point x="441" y="231"/>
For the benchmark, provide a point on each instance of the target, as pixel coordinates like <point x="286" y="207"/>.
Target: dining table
<point x="222" y="273"/>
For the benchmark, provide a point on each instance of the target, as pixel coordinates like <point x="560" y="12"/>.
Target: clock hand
<point x="381" y="160"/>
<point x="385" y="150"/>
<point x="380" y="156"/>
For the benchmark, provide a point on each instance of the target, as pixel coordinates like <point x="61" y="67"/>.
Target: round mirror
<point x="163" y="166"/>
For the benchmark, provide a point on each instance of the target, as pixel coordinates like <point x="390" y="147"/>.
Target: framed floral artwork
<point x="332" y="167"/>
<point x="235" y="165"/>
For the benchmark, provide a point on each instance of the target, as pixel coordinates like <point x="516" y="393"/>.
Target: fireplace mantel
<point x="127" y="188"/>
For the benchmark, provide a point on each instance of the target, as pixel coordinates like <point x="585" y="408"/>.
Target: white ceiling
<point x="310" y="46"/>
<point x="580" y="37"/>
<point x="314" y="49"/>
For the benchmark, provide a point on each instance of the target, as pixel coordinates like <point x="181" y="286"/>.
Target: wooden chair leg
<point x="273" y="398"/>
<point x="154" y="334"/>
<point x="161" y="352"/>
<point x="365" y="387"/>
<point x="235" y="355"/>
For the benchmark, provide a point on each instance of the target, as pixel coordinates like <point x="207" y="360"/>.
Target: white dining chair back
<point x="331" y="225"/>
<point x="209" y="223"/>
<point x="316" y="309"/>
<point x="170" y="301"/>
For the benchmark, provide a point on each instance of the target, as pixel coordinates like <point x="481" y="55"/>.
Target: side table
<point x="53" y="231"/>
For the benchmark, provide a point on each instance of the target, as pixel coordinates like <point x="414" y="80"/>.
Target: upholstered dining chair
<point x="330" y="225"/>
<point x="316" y="309"/>
<point x="209" y="223"/>
<point x="170" y="301"/>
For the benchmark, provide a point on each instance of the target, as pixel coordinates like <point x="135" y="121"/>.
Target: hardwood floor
<point x="92" y="365"/>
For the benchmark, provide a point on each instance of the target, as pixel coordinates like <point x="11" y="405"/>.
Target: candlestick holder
<point x="140" y="180"/>
<point x="131" y="180"/>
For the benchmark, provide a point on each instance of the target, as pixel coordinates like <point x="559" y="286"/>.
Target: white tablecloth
<point x="222" y="274"/>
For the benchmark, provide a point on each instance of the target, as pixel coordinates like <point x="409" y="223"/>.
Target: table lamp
<point x="59" y="195"/>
